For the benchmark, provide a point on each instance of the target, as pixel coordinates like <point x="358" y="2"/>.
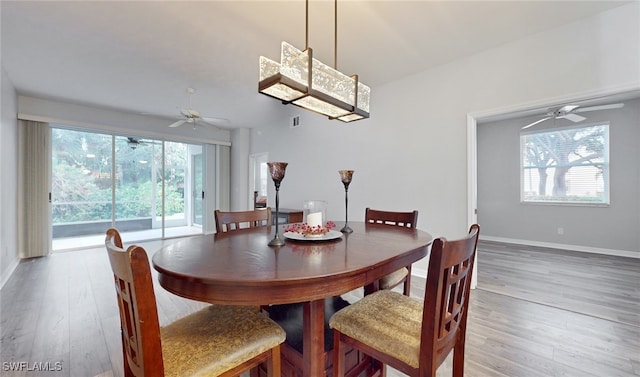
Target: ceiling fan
<point x="191" y="116"/>
<point x="134" y="143"/>
<point x="570" y="112"/>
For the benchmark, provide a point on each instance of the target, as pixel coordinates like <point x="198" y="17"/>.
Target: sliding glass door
<point x="136" y="190"/>
<point x="81" y="192"/>
<point x="143" y="187"/>
<point x="197" y="165"/>
<point x="180" y="176"/>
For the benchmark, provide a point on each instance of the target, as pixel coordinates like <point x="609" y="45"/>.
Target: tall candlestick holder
<point x="346" y="176"/>
<point x="277" y="170"/>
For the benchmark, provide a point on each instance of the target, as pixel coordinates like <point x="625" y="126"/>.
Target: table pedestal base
<point x="356" y="364"/>
<point x="289" y="317"/>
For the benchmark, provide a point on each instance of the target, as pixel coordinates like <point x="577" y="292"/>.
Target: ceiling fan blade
<point x="178" y="123"/>
<point x="599" y="107"/>
<point x="215" y="121"/>
<point x="567" y="109"/>
<point x="536" y="122"/>
<point x="572" y="117"/>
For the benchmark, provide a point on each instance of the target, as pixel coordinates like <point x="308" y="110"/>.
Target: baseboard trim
<point x="585" y="249"/>
<point x="420" y="273"/>
<point x="8" y="272"/>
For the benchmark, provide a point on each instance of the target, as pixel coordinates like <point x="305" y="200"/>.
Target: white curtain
<point x="34" y="186"/>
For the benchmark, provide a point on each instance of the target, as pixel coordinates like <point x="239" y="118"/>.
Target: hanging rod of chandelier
<point x="306" y="82"/>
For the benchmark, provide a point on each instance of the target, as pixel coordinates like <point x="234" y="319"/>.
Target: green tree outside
<point x="82" y="184"/>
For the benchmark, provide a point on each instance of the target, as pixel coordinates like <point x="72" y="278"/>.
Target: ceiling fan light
<point x="192" y="116"/>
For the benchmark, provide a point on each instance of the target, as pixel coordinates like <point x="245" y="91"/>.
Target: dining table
<point x="240" y="268"/>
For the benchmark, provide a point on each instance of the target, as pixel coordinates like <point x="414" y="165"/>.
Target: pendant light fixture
<point x="306" y="82"/>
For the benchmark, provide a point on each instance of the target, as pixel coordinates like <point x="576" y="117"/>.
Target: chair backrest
<point x="259" y="201"/>
<point x="232" y="221"/>
<point x="444" y="318"/>
<point x="404" y="219"/>
<point x="142" y="348"/>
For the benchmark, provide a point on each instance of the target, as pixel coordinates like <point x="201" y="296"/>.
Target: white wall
<point x="412" y="152"/>
<point x="240" y="139"/>
<point x="90" y="117"/>
<point x="9" y="173"/>
<point x="610" y="229"/>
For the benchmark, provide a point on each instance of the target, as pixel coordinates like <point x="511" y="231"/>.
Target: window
<point x="566" y="165"/>
<point x="147" y="188"/>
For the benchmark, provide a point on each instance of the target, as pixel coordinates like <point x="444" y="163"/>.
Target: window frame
<point x="606" y="171"/>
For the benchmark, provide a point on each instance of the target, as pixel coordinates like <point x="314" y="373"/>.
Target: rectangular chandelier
<point x="306" y="82"/>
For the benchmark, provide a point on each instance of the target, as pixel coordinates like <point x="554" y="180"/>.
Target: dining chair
<point x="259" y="201"/>
<point x="402" y="219"/>
<point x="215" y="341"/>
<point x="411" y="336"/>
<point x="236" y="220"/>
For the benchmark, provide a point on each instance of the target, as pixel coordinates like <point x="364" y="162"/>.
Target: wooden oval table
<point x="239" y="268"/>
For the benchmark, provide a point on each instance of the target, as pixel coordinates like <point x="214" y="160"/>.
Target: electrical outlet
<point x="295" y="121"/>
<point x="561" y="231"/>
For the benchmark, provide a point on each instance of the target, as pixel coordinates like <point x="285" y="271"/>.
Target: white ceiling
<point x="142" y="56"/>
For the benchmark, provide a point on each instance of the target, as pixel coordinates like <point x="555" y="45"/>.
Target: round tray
<point x="331" y="235"/>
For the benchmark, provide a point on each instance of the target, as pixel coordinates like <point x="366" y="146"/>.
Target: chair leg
<point x="407" y="283"/>
<point x="371" y="288"/>
<point x="458" y="359"/>
<point x="338" y="356"/>
<point x="274" y="366"/>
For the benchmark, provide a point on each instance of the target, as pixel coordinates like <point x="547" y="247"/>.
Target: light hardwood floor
<point x="536" y="313"/>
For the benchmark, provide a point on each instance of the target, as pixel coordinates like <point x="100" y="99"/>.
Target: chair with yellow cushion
<point x="215" y="341"/>
<point x="401" y="219"/>
<point x="414" y="336"/>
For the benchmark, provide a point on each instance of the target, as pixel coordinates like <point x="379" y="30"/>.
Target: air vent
<point x="295" y="121"/>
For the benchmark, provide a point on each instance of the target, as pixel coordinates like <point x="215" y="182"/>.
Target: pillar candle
<point x="314" y="219"/>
